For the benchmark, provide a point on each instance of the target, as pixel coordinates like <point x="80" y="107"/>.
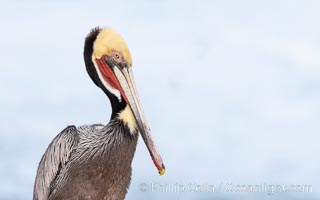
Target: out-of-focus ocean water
<point x="231" y="90"/>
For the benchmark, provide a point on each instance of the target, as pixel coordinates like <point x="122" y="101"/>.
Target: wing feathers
<point x="55" y="158"/>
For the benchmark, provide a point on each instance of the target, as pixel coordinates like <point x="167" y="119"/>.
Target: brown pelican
<point x="94" y="161"/>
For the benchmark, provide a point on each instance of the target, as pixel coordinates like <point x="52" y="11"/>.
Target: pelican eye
<point x="116" y="56"/>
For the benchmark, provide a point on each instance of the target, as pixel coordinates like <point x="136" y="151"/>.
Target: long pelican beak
<point x="125" y="78"/>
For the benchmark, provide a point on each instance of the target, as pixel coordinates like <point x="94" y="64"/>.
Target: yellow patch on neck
<point x="108" y="40"/>
<point x="128" y="118"/>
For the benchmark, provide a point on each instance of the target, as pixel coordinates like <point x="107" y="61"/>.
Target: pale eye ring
<point x="116" y="56"/>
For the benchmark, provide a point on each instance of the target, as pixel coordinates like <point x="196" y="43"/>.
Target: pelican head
<point x="109" y="64"/>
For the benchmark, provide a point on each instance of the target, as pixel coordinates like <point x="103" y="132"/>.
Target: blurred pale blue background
<point x="230" y="89"/>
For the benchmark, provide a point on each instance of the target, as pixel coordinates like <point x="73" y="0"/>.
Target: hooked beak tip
<point x="162" y="170"/>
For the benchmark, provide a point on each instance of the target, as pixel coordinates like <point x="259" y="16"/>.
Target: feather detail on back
<point x="55" y="158"/>
<point x="87" y="162"/>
